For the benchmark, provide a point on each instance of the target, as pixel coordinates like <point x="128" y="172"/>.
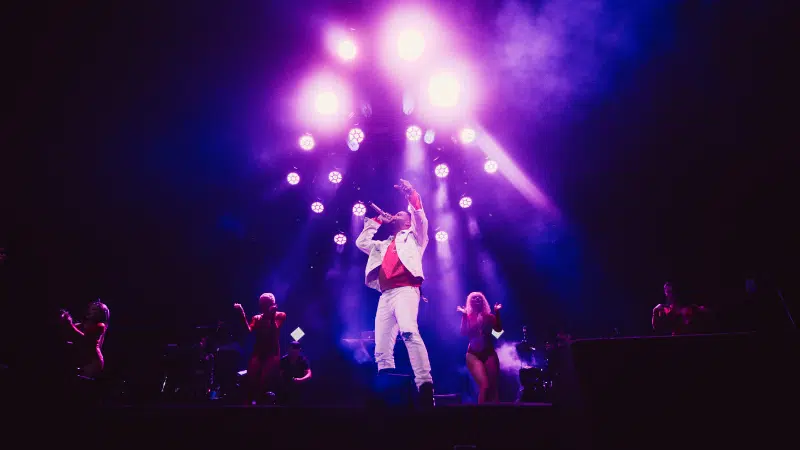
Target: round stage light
<point x="359" y="209"/>
<point x="335" y="177"/>
<point x="353" y="145"/>
<point x="441" y="170"/>
<point x="413" y="133"/>
<point x="346" y="50"/>
<point x="340" y="239"/>
<point x="441" y="236"/>
<point x="429" y="136"/>
<point x="490" y="166"/>
<point x="306" y="142"/>
<point x="356" y="134"/>
<point x="465" y="202"/>
<point x="444" y="90"/>
<point x="293" y="178"/>
<point x="467" y="135"/>
<point x="410" y="45"/>
<point x="317" y="207"/>
<point x="326" y="103"/>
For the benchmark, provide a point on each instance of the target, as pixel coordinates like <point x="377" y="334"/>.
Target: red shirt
<point x="393" y="274"/>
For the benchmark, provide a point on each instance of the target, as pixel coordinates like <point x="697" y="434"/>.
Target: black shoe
<point x="425" y="398"/>
<point x="387" y="371"/>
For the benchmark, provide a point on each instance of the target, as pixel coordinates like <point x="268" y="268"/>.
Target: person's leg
<point x="385" y="332"/>
<point x="406" y="308"/>
<point x="492" y="366"/>
<point x="253" y="379"/>
<point x="478" y="371"/>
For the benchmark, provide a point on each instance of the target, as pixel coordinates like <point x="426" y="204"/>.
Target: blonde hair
<point x="468" y="308"/>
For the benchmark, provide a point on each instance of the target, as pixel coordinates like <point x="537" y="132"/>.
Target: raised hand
<point x="461" y="309"/>
<point x="404" y="187"/>
<point x="238" y="306"/>
<point x="498" y="306"/>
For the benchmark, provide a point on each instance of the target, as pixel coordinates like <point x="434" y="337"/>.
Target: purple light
<point x="467" y="135"/>
<point x="441" y="236"/>
<point x="346" y="50"/>
<point x="356" y="134"/>
<point x="340" y="239"/>
<point x="306" y="142"/>
<point x="293" y="178"/>
<point x="335" y="177"/>
<point x="490" y="166"/>
<point x="359" y="209"/>
<point x="317" y="207"/>
<point x="465" y="202"/>
<point x="441" y="170"/>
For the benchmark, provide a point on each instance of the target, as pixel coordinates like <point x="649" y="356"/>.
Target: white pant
<point x="397" y="311"/>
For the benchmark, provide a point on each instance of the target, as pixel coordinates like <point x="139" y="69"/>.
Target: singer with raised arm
<point x="477" y="323"/>
<point x="263" y="370"/>
<point x="394" y="269"/>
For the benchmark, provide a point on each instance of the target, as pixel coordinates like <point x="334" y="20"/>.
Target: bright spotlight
<point x="490" y="166"/>
<point x="317" y="207"/>
<point x="465" y="202"/>
<point x="441" y="170"/>
<point x="441" y="236"/>
<point x="410" y="45"/>
<point x="326" y="103"/>
<point x="335" y="177"/>
<point x="353" y="145"/>
<point x="413" y="133"/>
<point x="340" y="239"/>
<point x="444" y="90"/>
<point x="293" y="178"/>
<point x="356" y="134"/>
<point x="359" y="209"/>
<point x="467" y="135"/>
<point x="429" y="137"/>
<point x="346" y="50"/>
<point x="306" y="142"/>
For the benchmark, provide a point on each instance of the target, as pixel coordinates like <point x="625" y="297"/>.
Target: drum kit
<point x="203" y="368"/>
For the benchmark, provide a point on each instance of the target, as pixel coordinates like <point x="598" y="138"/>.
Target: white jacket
<point x="411" y="244"/>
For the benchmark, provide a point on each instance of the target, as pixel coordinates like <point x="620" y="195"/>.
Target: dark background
<point x="145" y="154"/>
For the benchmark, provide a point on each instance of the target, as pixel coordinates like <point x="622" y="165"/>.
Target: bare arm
<point x="498" y="325"/>
<point x="464" y="321"/>
<point x="248" y="325"/>
<point x="280" y="317"/>
<point x="305" y="377"/>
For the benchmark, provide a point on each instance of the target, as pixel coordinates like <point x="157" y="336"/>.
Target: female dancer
<point x="477" y="323"/>
<point x="89" y="337"/>
<point x="263" y="370"/>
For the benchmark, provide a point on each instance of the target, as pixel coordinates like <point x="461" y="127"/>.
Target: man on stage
<point x="394" y="269"/>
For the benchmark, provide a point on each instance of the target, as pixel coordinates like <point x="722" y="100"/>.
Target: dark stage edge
<point x="443" y="427"/>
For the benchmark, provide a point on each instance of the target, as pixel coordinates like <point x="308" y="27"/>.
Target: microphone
<point x="375" y="207"/>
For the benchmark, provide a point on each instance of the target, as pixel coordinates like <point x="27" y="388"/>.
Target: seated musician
<point x="674" y="317"/>
<point x="88" y="337"/>
<point x="295" y="372"/>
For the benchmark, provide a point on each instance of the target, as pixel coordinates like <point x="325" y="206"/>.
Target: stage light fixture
<point x="410" y="45"/>
<point x="490" y="166"/>
<point x="353" y="145"/>
<point x="441" y="236"/>
<point x="317" y="207"/>
<point x="356" y="134"/>
<point x="327" y="103"/>
<point x="293" y="178"/>
<point x="444" y="90"/>
<point x="467" y="135"/>
<point x="441" y="170"/>
<point x="346" y="49"/>
<point x="340" y="239"/>
<point x="306" y="142"/>
<point x="429" y="137"/>
<point x="465" y="202"/>
<point x="335" y="177"/>
<point x="359" y="209"/>
<point x="413" y="133"/>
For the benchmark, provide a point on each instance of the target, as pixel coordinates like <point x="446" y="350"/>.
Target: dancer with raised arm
<point x="394" y="269"/>
<point x="477" y="323"/>
<point x="263" y="370"/>
<point x="89" y="337"/>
